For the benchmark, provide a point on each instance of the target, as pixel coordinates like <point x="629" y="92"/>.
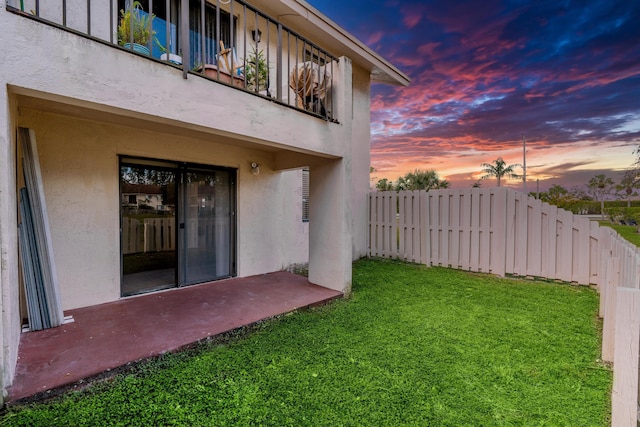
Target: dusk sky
<point x="564" y="73"/>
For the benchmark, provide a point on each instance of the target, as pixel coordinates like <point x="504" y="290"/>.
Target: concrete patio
<point x="109" y="336"/>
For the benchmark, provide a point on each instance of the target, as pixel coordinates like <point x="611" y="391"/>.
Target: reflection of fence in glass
<point x="148" y="235"/>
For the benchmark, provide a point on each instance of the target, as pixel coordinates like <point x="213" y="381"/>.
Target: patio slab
<point x="107" y="336"/>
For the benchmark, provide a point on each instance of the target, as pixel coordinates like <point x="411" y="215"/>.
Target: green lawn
<point x="412" y="346"/>
<point x="628" y="232"/>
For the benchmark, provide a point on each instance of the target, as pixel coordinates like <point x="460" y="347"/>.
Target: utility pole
<point x="524" y="163"/>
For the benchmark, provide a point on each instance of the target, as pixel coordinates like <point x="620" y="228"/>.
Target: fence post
<point x="624" y="398"/>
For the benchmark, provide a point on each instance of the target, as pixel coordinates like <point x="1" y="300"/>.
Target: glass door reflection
<point x="147" y="206"/>
<point x="208" y="226"/>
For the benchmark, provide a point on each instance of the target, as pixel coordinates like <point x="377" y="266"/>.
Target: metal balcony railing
<point x="228" y="41"/>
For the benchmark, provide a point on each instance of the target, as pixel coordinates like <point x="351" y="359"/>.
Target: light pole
<point x="524" y="163"/>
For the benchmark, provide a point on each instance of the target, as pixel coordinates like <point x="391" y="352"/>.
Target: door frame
<point x="180" y="170"/>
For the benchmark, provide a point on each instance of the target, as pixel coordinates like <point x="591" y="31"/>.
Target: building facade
<point x="182" y="162"/>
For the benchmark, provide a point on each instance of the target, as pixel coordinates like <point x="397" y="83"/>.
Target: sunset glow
<point x="484" y="73"/>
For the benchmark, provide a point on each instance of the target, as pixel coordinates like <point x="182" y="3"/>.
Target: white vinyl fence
<point x="502" y="231"/>
<point x="147" y="235"/>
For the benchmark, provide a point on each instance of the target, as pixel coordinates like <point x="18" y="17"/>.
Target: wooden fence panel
<point x="391" y="230"/>
<point x="565" y="246"/>
<point x="408" y="226"/>
<point x="521" y="234"/>
<point x="474" y="230"/>
<point x="425" y="253"/>
<point x="464" y="254"/>
<point x="375" y="239"/>
<point x="497" y="224"/>
<point x="582" y="233"/>
<point x="415" y="227"/>
<point x="435" y="230"/>
<point x="595" y="250"/>
<point x="445" y="230"/>
<point x="453" y="207"/>
<point x="403" y="199"/>
<point x="484" y="230"/>
<point x="624" y="398"/>
<point x="491" y="230"/>
<point x="510" y="232"/>
<point x="534" y="237"/>
<point x="382" y="230"/>
<point x="609" y="297"/>
<point x="384" y="224"/>
<point x="548" y="240"/>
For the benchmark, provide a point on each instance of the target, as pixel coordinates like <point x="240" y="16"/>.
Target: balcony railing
<point x="228" y="41"/>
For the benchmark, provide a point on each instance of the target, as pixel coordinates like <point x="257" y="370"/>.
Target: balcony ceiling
<point x="71" y="107"/>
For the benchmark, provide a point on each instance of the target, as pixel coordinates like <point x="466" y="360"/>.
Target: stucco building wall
<point x="90" y="102"/>
<point x="80" y="170"/>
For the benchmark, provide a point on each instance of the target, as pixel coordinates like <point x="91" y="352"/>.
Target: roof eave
<point x="344" y="43"/>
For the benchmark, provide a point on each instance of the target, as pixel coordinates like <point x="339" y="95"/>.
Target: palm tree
<point x="499" y="169"/>
<point x="421" y="179"/>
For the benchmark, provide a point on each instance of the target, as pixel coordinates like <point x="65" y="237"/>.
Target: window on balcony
<point x="165" y="12"/>
<point x="169" y="10"/>
<point x="207" y="54"/>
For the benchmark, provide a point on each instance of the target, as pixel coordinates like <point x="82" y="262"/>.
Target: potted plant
<point x="257" y="72"/>
<point x="135" y="25"/>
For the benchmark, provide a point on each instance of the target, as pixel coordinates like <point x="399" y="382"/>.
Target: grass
<point x="411" y="347"/>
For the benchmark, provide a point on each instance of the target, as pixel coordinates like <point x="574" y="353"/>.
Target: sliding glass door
<point x="177" y="224"/>
<point x="209" y="231"/>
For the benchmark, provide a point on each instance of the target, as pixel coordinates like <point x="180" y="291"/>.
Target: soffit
<point x="99" y="113"/>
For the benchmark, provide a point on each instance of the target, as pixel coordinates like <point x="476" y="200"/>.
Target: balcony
<point x="226" y="41"/>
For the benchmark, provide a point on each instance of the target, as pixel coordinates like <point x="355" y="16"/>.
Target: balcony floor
<point x="108" y="336"/>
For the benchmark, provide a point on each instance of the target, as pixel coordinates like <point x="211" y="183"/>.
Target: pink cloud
<point x="375" y="38"/>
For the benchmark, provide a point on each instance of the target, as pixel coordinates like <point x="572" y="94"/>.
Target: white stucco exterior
<point x="90" y="103"/>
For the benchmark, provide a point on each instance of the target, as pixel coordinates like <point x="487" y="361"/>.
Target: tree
<point x="421" y="179"/>
<point x="372" y="178"/>
<point x="599" y="186"/>
<point x="556" y="195"/>
<point x="500" y="169"/>
<point x="628" y="183"/>
<point x="384" y="185"/>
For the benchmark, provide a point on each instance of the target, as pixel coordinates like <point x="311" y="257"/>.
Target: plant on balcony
<point x="136" y="24"/>
<point x="257" y="67"/>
